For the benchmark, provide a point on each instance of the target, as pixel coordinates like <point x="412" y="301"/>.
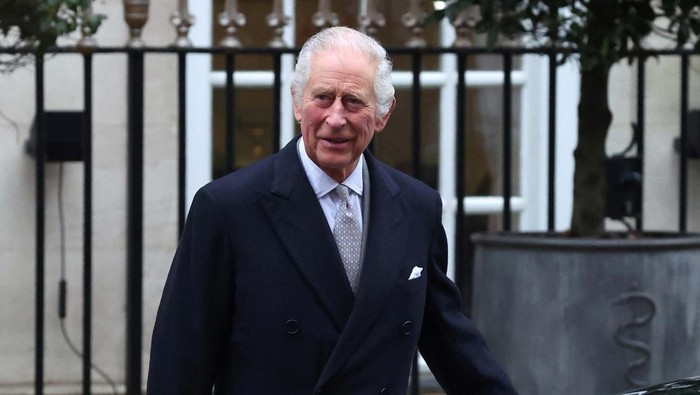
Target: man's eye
<point x="353" y="103"/>
<point x="323" y="100"/>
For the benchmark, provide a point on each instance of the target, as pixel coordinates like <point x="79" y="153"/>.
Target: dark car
<point x="688" y="386"/>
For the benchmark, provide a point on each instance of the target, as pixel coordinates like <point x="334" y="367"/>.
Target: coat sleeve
<point x="450" y="342"/>
<point x="195" y="310"/>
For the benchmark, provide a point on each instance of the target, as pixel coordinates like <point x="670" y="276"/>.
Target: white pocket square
<point x="415" y="273"/>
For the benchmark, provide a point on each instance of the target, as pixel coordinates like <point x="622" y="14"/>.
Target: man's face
<point x="338" y="110"/>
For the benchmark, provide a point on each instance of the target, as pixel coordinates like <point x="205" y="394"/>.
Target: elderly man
<point x="318" y="269"/>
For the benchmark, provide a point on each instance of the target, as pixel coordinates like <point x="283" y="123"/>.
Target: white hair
<point x="340" y="37"/>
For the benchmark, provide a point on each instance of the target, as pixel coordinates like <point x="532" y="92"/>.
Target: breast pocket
<point x="416" y="280"/>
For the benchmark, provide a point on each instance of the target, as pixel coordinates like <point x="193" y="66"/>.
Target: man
<point x="261" y="299"/>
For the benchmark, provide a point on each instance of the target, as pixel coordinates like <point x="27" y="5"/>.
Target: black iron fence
<point x="135" y="165"/>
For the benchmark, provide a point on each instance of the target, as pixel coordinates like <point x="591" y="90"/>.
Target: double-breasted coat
<point x="257" y="300"/>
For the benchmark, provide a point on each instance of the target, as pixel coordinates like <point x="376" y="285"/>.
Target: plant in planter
<point x="585" y="314"/>
<point x="32" y="26"/>
<point x="601" y="33"/>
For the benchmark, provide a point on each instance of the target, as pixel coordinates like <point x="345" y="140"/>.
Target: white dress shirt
<point x="323" y="184"/>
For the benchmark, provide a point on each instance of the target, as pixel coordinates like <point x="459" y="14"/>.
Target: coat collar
<point x="298" y="219"/>
<point x="299" y="222"/>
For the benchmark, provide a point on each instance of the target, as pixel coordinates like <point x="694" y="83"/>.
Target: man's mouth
<point x="337" y="140"/>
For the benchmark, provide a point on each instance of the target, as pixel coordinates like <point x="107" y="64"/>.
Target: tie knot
<point x="342" y="192"/>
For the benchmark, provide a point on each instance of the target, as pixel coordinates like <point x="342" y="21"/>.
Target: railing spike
<point x="231" y="19"/>
<point x="324" y="17"/>
<point x="464" y="23"/>
<point x="277" y="20"/>
<point x="182" y="20"/>
<point x="87" y="40"/>
<point x="136" y="16"/>
<point x="413" y="20"/>
<point x="371" y="21"/>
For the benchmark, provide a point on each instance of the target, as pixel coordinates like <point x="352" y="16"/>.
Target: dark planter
<point x="589" y="316"/>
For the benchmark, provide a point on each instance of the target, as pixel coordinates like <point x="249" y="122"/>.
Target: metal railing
<point x="135" y="165"/>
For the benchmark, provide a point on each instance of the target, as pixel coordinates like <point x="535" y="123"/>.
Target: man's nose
<point x="336" y="114"/>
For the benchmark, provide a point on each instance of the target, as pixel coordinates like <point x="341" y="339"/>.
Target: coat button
<point x="292" y="327"/>
<point x="407" y="327"/>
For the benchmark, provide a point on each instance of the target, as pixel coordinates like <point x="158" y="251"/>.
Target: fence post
<point x="134" y="264"/>
<point x="40" y="228"/>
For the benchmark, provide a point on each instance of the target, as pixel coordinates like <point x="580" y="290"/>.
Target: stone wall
<point x="64" y="91"/>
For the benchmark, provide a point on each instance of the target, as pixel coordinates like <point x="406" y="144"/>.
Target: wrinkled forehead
<point x="341" y="68"/>
<point x="344" y="61"/>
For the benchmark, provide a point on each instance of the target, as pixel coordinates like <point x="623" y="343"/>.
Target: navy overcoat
<point x="257" y="301"/>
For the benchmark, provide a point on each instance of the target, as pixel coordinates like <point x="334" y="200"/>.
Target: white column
<point x="448" y="143"/>
<point x="568" y="83"/>
<point x="287" y="116"/>
<point x="535" y="140"/>
<point x="534" y="137"/>
<point x="199" y="103"/>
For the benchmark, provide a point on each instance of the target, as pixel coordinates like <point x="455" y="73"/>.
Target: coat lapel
<point x="386" y="243"/>
<point x="300" y="224"/>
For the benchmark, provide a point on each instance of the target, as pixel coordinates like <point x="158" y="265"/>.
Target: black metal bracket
<point x="624" y="179"/>
<point x="692" y="146"/>
<point x="64" y="134"/>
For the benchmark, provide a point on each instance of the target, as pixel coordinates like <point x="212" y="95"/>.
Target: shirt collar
<point x="321" y="182"/>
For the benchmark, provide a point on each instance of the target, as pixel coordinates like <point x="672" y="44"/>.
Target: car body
<point x="687" y="386"/>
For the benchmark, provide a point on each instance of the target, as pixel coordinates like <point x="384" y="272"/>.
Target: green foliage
<point x="40" y="22"/>
<point x="603" y="32"/>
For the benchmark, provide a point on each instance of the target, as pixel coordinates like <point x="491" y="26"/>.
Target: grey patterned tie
<point x="348" y="236"/>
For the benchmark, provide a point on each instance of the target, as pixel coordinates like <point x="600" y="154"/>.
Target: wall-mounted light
<point x="692" y="142"/>
<point x="624" y="179"/>
<point x="63" y="131"/>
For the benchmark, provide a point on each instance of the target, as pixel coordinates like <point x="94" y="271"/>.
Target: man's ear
<point x="297" y="111"/>
<point x="380" y="123"/>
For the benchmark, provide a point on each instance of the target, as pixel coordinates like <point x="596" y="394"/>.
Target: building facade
<point x="207" y="157"/>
